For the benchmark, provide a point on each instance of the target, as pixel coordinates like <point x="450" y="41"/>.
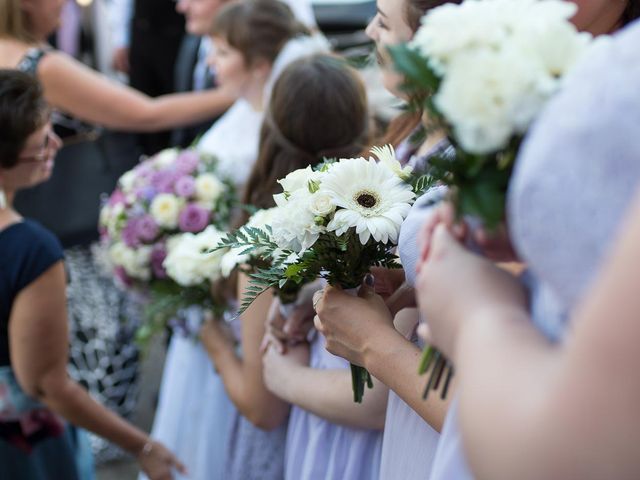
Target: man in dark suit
<point x="191" y="69"/>
<point x="155" y="33"/>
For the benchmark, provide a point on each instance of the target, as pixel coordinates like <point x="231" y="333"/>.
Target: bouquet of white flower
<point x="483" y="70"/>
<point x="166" y="198"/>
<point x="336" y="222"/>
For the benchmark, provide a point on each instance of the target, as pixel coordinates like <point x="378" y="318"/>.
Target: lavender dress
<point x="318" y="449"/>
<point x="574" y="181"/>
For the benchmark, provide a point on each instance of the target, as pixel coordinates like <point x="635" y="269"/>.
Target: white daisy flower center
<point x="367" y="198"/>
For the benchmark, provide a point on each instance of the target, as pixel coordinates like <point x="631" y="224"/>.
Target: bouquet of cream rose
<point x="482" y="71"/>
<point x="336" y="222"/>
<point x="157" y="226"/>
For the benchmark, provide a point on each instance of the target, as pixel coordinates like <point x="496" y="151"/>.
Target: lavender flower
<point x="193" y="218"/>
<point x="187" y="162"/>
<point x="185" y="186"/>
<point x="147" y="228"/>
<point x="158" y="254"/>
<point x="130" y="234"/>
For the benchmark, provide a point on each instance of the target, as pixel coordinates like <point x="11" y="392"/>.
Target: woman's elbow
<point x="265" y="419"/>
<point x="43" y="387"/>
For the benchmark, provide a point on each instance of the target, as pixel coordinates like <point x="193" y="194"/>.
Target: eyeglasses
<point x="50" y="142"/>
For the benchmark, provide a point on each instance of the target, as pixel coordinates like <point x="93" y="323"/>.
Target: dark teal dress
<point x="35" y="444"/>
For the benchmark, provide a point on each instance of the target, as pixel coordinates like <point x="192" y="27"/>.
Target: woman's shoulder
<point x="30" y="239"/>
<point x="31" y="58"/>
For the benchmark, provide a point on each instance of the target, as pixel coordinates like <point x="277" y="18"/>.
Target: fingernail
<point x="369" y="280"/>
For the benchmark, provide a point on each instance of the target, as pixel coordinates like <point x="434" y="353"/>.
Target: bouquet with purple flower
<point x="157" y="226"/>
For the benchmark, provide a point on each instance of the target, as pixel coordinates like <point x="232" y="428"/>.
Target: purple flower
<point x="116" y="197"/>
<point x="146" y="193"/>
<point x="187" y="161"/>
<point x="193" y="218"/>
<point x="144" y="170"/>
<point x="122" y="276"/>
<point x="130" y="233"/>
<point x="158" y="254"/>
<point x="185" y="186"/>
<point x="147" y="228"/>
<point x="163" y="181"/>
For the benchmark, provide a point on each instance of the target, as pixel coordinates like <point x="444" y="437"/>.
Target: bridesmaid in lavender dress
<point x="411" y="426"/>
<point x="581" y="205"/>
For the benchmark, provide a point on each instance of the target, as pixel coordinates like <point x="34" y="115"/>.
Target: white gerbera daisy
<point x="387" y="156"/>
<point x="370" y="198"/>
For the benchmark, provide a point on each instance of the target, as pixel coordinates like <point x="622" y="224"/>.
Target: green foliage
<point x="166" y="299"/>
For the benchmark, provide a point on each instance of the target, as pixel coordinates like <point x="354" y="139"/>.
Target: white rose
<point x="488" y="97"/>
<point x="208" y="187"/>
<point x="321" y="205"/>
<point x="294" y="227"/>
<point x="135" y="261"/>
<point x="165" y="208"/>
<point x="115" y="220"/>
<point x="105" y="215"/>
<point x="166" y="157"/>
<point x="298" y="181"/>
<point x="188" y="261"/>
<point x="231" y="260"/>
<point x="127" y="181"/>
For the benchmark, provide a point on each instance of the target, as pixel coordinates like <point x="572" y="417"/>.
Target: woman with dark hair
<point x="254" y="40"/>
<point x="36" y="392"/>
<point x="317" y="109"/>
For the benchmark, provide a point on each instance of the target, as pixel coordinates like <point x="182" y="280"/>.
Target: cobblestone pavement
<point x="152" y="364"/>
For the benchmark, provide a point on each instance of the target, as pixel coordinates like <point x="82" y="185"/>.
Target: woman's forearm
<point x="92" y="97"/>
<point x="395" y="360"/>
<point x="71" y="401"/>
<point x="500" y="353"/>
<point x="328" y="394"/>
<point x="242" y="378"/>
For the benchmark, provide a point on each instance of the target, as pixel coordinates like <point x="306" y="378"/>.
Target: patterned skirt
<point x="35" y="444"/>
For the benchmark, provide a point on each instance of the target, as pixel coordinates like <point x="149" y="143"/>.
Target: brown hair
<point x="23" y="111"/>
<point x="257" y="28"/>
<point x="13" y="21"/>
<point x="403" y="125"/>
<point x="415" y="10"/>
<point x="318" y="109"/>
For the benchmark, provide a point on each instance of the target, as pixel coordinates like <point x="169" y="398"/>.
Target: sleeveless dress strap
<point x="31" y="59"/>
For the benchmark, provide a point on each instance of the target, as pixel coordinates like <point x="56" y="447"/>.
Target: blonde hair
<point x="13" y="22"/>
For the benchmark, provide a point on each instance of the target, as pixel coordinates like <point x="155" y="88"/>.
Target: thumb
<point x="367" y="288"/>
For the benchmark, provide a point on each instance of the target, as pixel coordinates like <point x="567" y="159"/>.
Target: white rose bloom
<point x="556" y="47"/>
<point x="231" y="259"/>
<point x="294" y="227"/>
<point x="208" y="187"/>
<point x="321" y="205"/>
<point x="128" y="181"/>
<point x="105" y="215"/>
<point x="116" y="220"/>
<point x="262" y="218"/>
<point x="135" y="261"/>
<point x="165" y="208"/>
<point x="166" y="157"/>
<point x="297" y="182"/>
<point x="188" y="261"/>
<point x="489" y="96"/>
